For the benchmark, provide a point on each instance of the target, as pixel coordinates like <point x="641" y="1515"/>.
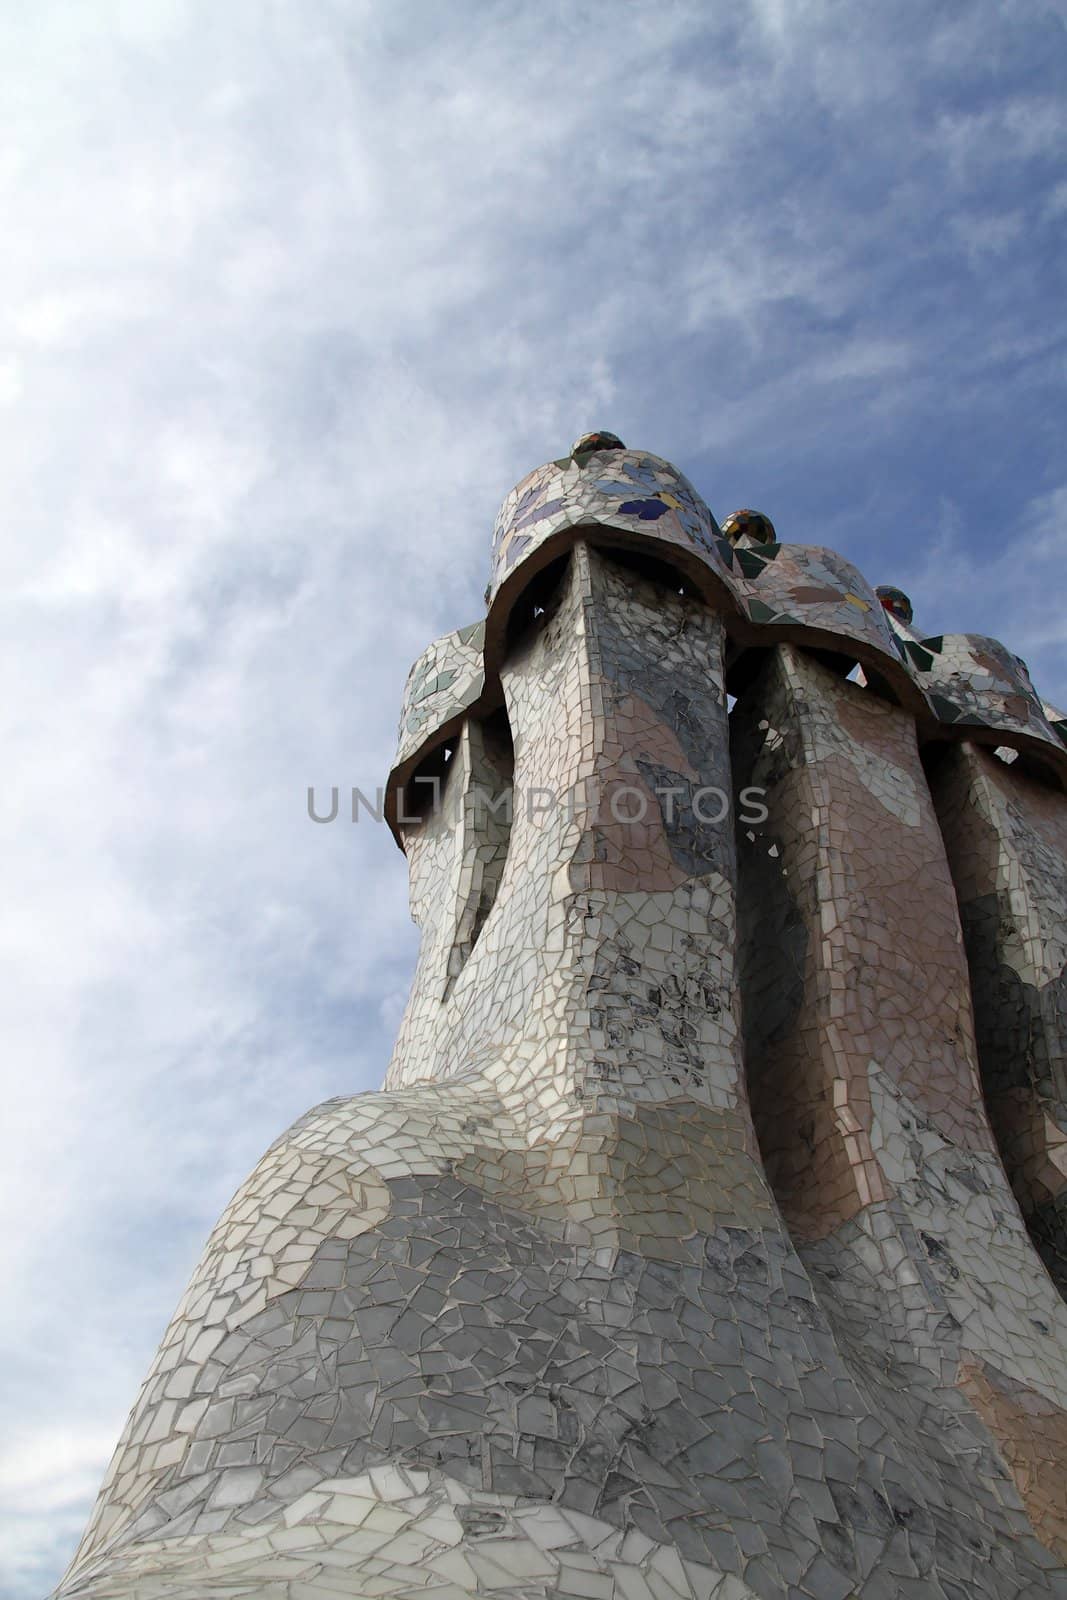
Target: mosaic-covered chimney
<point x="708" y="1238"/>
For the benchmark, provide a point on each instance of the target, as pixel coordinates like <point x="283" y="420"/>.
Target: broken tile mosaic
<point x="708" y="1238"/>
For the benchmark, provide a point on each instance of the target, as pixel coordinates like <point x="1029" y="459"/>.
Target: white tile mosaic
<point x="677" y="1259"/>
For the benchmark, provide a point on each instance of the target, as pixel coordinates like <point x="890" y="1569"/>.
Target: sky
<point x="291" y="294"/>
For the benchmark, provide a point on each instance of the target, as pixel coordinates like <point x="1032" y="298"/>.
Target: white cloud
<point x="1011" y="592"/>
<point x="863" y="358"/>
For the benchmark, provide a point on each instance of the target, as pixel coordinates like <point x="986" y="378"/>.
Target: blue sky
<point x="291" y="296"/>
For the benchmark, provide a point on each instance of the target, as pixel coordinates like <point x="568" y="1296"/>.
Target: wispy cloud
<point x="289" y="297"/>
<point x="1008" y="593"/>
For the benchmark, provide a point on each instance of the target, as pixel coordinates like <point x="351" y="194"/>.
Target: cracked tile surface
<point x="693" y="1247"/>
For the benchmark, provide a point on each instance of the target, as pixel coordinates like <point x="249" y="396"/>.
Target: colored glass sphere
<point x="596" y="441"/>
<point x="896" y="601"/>
<point x="751" y="526"/>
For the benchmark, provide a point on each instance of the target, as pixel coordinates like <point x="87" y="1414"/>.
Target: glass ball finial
<point x="896" y="601"/>
<point x="750" y="526"/>
<point x="601" y="440"/>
